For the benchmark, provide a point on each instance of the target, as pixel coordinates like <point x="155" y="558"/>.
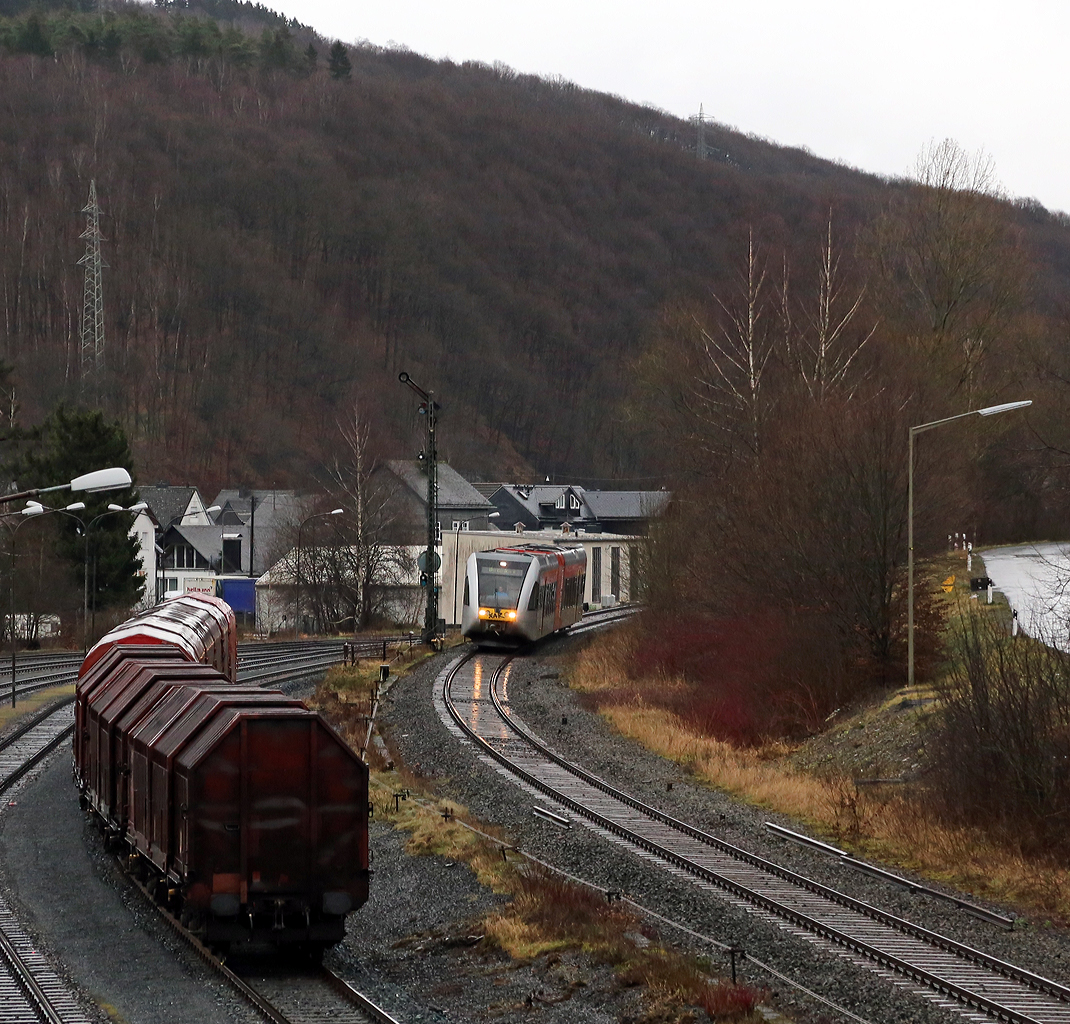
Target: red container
<point x="152" y="744"/>
<point x="116" y="706"/>
<point x="202" y="627"/>
<point x="99" y="674"/>
<point x="272" y="840"/>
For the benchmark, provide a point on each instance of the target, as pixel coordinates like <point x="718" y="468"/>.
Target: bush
<point x="1000" y="753"/>
<point x="742" y="679"/>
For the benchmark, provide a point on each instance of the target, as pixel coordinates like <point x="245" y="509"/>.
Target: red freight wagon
<point x="152" y="745"/>
<point x="103" y="672"/>
<point x="242" y="809"/>
<point x="271" y="816"/>
<point x="201" y="627"/>
<point x="113" y="707"/>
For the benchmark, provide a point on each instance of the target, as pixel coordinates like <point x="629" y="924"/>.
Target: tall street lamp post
<point x="31" y="511"/>
<point x="112" y="509"/>
<point x="297" y="599"/>
<point x="991" y="410"/>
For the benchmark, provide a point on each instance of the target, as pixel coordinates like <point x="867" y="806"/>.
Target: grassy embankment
<point x="817" y="781"/>
<point x="29" y="704"/>
<point x="546" y="915"/>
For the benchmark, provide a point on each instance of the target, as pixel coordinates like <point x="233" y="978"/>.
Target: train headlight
<point x="512" y="615"/>
<point x="483" y="613"/>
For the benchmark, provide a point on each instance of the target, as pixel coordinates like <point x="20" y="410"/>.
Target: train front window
<point x="500" y="580"/>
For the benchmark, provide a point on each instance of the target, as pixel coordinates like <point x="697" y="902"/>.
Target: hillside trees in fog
<point x="281" y="244"/>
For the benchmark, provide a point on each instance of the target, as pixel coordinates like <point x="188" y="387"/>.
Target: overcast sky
<point x="868" y="83"/>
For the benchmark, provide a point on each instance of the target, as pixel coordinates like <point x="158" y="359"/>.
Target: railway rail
<point x="472" y="698"/>
<point x="41" y="671"/>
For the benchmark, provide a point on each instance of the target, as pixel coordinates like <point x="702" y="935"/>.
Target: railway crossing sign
<point x="436" y="561"/>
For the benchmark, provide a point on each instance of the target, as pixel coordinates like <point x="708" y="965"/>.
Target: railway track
<point x="30" y="991"/>
<point x="255" y="660"/>
<point x="282" y="994"/>
<point x="309" y="997"/>
<point x="472" y="698"/>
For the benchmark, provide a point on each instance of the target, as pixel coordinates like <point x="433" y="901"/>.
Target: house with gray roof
<point x="553" y="506"/>
<point x="171" y="505"/>
<point x="265" y="520"/>
<point x="460" y="506"/>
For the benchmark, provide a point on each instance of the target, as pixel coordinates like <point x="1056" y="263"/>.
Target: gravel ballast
<point x="540" y="696"/>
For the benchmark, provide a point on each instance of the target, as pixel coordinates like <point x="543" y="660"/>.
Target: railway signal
<point x="430" y="560"/>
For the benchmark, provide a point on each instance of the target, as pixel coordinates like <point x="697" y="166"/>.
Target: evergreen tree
<point x="338" y="61"/>
<point x="310" y="61"/>
<point x="68" y="444"/>
<point x="31" y="37"/>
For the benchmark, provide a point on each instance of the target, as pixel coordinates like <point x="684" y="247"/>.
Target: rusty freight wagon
<point x="240" y="807"/>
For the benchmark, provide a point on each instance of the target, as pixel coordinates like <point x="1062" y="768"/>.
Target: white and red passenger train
<point x="519" y="594"/>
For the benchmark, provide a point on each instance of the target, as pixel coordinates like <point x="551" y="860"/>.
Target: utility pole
<point x="429" y="560"/>
<point x="92" y="301"/>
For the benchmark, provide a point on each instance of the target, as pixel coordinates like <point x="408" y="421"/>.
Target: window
<point x="467" y="595"/>
<point x="172" y="583"/>
<point x="459" y="525"/>
<point x="573" y="502"/>
<point x="533" y="601"/>
<point x="500" y="580"/>
<point x="232" y="555"/>
<point x="185" y="557"/>
<point x="596" y="575"/>
<point x="438" y="532"/>
<point x="560" y="503"/>
<point x="614" y="572"/>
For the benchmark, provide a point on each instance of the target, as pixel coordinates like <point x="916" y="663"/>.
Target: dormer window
<point x="573" y="503"/>
<point x="560" y="503"/>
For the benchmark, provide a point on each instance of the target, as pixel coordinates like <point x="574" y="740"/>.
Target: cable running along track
<point x="473" y="700"/>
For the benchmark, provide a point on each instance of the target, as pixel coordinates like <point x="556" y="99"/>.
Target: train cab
<point x="520" y="594"/>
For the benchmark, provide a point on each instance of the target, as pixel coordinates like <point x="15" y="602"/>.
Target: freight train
<point x="239" y="808"/>
<point x="520" y="594"/>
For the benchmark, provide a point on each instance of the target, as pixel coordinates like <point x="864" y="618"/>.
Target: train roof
<point x="534" y="549"/>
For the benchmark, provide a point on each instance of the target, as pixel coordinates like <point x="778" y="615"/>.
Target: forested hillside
<point x="287" y="227"/>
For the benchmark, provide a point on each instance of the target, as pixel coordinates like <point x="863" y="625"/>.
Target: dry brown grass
<point x="29" y="704"/>
<point x="894" y="826"/>
<point x="550" y="914"/>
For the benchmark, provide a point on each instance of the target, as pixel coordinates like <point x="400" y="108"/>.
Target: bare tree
<point x="737" y="353"/>
<point x="950" y="265"/>
<point x="365" y="563"/>
<point x="825" y="353"/>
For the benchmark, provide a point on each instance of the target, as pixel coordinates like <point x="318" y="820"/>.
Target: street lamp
<point x="112" y="509"/>
<point x="32" y="510"/>
<point x="991" y="410"/>
<point x="297" y="599"/>
<point x="113" y="479"/>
